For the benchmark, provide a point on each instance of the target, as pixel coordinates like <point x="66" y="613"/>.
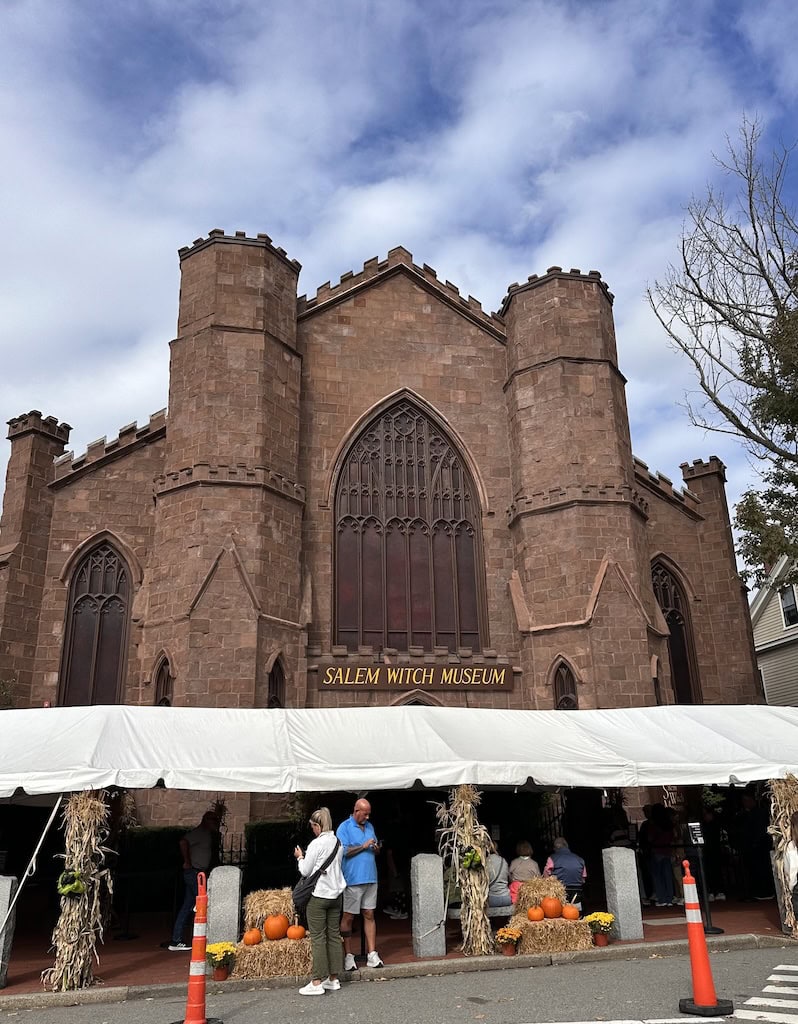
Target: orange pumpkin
<point x="252" y="936"/>
<point x="570" y="912"/>
<point x="535" y="914"/>
<point x="275" y="926"/>
<point x="296" y="931"/>
<point x="552" y="907"/>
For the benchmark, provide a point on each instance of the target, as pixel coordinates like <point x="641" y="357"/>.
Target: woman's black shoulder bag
<point x="303" y="890"/>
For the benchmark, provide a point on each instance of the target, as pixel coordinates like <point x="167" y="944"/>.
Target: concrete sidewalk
<point x="417" y="968"/>
<point x="127" y="968"/>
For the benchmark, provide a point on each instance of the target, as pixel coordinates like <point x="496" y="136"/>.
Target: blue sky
<point x="492" y="139"/>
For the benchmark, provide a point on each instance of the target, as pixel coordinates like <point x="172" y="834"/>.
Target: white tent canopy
<point x="53" y="750"/>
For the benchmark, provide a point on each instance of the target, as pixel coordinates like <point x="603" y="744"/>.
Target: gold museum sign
<point x="411" y="677"/>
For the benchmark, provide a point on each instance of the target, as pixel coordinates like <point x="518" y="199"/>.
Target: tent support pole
<point x="31" y="868"/>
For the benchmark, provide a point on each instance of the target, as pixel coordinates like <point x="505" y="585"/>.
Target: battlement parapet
<point x="664" y="486"/>
<point x="96" y="451"/>
<point x="400" y="257"/>
<point x="583" y="494"/>
<point x="554" y="274"/>
<point x="34" y="423"/>
<point x="216" y="235"/>
<point x="700" y="468"/>
<point x="240" y="474"/>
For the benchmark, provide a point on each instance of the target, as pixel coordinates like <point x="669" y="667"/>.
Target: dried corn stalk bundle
<point x="784" y="803"/>
<point x="85" y="885"/>
<point x="263" y="902"/>
<point x="464" y="845"/>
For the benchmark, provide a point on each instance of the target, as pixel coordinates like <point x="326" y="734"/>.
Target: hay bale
<point x="263" y="902"/>
<point x="532" y="892"/>
<point x="275" y="958"/>
<point x="551" y="935"/>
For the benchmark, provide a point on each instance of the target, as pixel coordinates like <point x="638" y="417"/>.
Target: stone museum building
<point x="377" y="494"/>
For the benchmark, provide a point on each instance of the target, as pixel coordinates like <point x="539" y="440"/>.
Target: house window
<point x="565" y="698"/>
<point x="671" y="598"/>
<point x="163" y="684"/>
<point x="408" y="553"/>
<point x="789" y="609"/>
<point x="95" y="643"/>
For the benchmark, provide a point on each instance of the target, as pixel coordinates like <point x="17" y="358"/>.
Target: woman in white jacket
<point x="791" y="866"/>
<point x="325" y="905"/>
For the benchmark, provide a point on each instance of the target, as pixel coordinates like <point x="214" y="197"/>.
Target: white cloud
<point x="492" y="139"/>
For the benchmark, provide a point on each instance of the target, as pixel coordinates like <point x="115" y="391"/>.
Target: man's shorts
<point x="360" y="897"/>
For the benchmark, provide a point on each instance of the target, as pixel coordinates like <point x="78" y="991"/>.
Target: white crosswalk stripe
<point x="771" y="1006"/>
<point x="659" y="1020"/>
<point x="767" y="1015"/>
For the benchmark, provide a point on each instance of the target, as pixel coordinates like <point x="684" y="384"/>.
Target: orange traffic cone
<point x="195" y="1001"/>
<point x="704" y="1002"/>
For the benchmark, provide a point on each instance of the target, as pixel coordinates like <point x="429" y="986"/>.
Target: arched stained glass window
<point x="565" y="698"/>
<point x="408" y="562"/>
<point x="95" y="642"/>
<point x="672" y="600"/>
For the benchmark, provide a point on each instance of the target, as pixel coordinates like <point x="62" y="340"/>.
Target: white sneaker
<point x="179" y="947"/>
<point x="312" y="990"/>
<point x="374" y="959"/>
<point x="349" y="963"/>
<point x="330" y="985"/>
<point x="720" y="895"/>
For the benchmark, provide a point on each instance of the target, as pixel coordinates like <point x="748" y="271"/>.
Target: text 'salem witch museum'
<point x="380" y="494"/>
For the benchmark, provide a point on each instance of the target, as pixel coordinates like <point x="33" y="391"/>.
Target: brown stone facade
<point x="224" y="511"/>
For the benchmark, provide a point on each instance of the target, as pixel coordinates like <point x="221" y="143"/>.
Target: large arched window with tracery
<point x="672" y="600"/>
<point x="95" y="641"/>
<point x="408" y="553"/>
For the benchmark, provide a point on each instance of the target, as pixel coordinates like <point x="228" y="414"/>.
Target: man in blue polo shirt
<point x="360" y="846"/>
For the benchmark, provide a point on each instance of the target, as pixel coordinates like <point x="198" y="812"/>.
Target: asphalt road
<point x="620" y="990"/>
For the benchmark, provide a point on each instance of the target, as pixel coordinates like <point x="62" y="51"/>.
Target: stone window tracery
<point x="565" y="698"/>
<point x="408" y="563"/>
<point x="672" y="600"/>
<point x="95" y="643"/>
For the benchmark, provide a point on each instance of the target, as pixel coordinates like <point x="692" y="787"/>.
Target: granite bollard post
<point x="426" y="886"/>
<point x="224" y="904"/>
<point x="8" y="888"/>
<point x="623" y="893"/>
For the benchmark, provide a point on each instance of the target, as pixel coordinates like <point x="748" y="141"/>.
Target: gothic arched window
<point x="275" y="693"/>
<point x="163" y="684"/>
<point x="408" y="562"/>
<point x="95" y="642"/>
<point x="672" y="600"/>
<point x="565" y="698"/>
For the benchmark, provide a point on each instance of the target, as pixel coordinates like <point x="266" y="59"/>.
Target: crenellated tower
<point x="577" y="520"/>
<point x="222" y="594"/>
<point x="24" y="538"/>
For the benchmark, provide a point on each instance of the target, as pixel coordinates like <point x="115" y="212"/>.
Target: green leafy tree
<point x="730" y="304"/>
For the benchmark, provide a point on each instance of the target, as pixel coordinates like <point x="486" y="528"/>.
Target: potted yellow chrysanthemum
<point x="600" y="923"/>
<point x="220" y="956"/>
